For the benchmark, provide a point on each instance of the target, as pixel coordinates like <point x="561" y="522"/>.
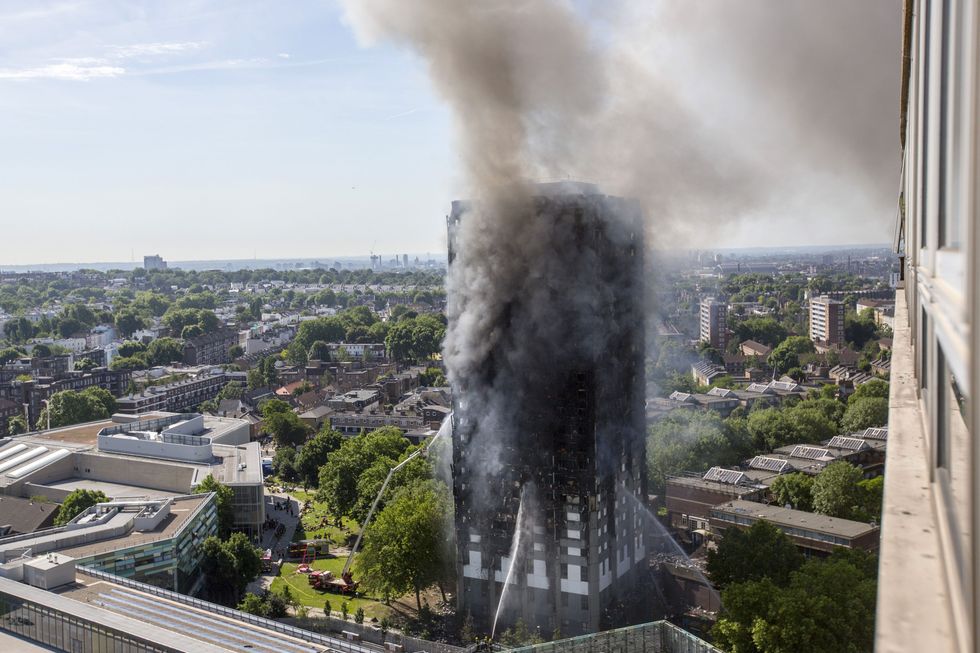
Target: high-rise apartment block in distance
<point x="826" y="320"/>
<point x="154" y="262"/>
<point x="928" y="580"/>
<point x="714" y="323"/>
<point x="571" y="447"/>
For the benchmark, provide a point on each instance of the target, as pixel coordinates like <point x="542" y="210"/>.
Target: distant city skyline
<point x="202" y="131"/>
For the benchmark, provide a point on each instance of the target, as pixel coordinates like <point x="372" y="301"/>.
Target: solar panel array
<point x="722" y="475"/>
<point x="876" y="433"/>
<point x="681" y="396"/>
<point x="721" y="392"/>
<point x="810" y="453"/>
<point x="770" y="464"/>
<point x="761" y="388"/>
<point x="785" y="386"/>
<point x="844" y="442"/>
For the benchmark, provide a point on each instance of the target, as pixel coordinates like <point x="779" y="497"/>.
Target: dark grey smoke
<point x="710" y="112"/>
<point x="707" y="113"/>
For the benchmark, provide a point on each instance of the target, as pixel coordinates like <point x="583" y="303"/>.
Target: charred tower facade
<point x="549" y="421"/>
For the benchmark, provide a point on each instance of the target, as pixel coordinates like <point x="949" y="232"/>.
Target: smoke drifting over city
<point x="647" y="103"/>
<point x="710" y="113"/>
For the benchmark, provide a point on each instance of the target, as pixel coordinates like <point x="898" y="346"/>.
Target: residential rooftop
<point x="779" y="516"/>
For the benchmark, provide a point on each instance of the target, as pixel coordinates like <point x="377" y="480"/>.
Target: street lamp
<point x="47" y="406"/>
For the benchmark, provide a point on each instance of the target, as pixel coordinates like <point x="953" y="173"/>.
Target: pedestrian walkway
<point x="286" y="514"/>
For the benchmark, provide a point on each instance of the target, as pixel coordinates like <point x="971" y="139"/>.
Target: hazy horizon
<point x="201" y="131"/>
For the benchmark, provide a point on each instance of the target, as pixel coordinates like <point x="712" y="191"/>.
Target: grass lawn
<point x="299" y="586"/>
<point x="311" y="525"/>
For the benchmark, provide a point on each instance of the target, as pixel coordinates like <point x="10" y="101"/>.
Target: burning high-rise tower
<point x="548" y="449"/>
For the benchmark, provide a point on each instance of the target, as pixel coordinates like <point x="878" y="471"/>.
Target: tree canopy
<point x="339" y="479"/>
<point x="836" y="492"/>
<point x="826" y="606"/>
<point x="760" y="552"/>
<point x="224" y="498"/>
<point x="786" y="354"/>
<point x="794" y="490"/>
<point x="69" y="407"/>
<point x="405" y="548"/>
<point x="229" y="565"/>
<point x="314" y="455"/>
<point x="77" y="502"/>
<point x="863" y="413"/>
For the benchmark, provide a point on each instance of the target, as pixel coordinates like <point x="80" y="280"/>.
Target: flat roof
<point x="180" y="512"/>
<point x="779" y="516"/>
<point x="111" y="621"/>
<point x="712" y="485"/>
<point x="205" y="627"/>
<point x="112" y="490"/>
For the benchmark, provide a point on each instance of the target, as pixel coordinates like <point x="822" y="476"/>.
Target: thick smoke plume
<point x="710" y="112"/>
<point x="706" y="113"/>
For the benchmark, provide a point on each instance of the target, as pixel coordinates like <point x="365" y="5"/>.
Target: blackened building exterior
<point x="564" y="447"/>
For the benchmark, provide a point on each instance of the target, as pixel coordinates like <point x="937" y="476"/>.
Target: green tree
<point x="85" y="365"/>
<point x="103" y="396"/>
<point x="692" y="441"/>
<point x="138" y="362"/>
<point x="127" y="320"/>
<point x="235" y="352"/>
<point x="9" y="354"/>
<point x="319" y="351"/>
<point x="77" y="502"/>
<point x="255" y="379"/>
<point x="229" y="565"/>
<point x="832" y="409"/>
<point x="404" y="547"/>
<point x="287" y="429"/>
<point x="872" y="492"/>
<point x="765" y="330"/>
<point x="859" y="329"/>
<point x="340" y="476"/>
<point x="761" y="551"/>
<point x="836" y="492"/>
<point x="873" y="388"/>
<point x="17" y="425"/>
<point x="809" y="424"/>
<point x="828" y="604"/>
<point x="131" y="348"/>
<point x="69" y="407"/>
<point x="769" y="428"/>
<point x="275" y="406"/>
<point x="224" y="499"/>
<point x="786" y="355"/>
<point x="795" y="490"/>
<point x="253" y="604"/>
<point x="314" y="455"/>
<point x="165" y="350"/>
<point x="284" y="464"/>
<point x="432" y="377"/>
<point x="863" y="413"/>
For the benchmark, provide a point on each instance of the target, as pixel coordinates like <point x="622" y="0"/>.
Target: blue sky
<point x="211" y="130"/>
<point x="204" y="129"/>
